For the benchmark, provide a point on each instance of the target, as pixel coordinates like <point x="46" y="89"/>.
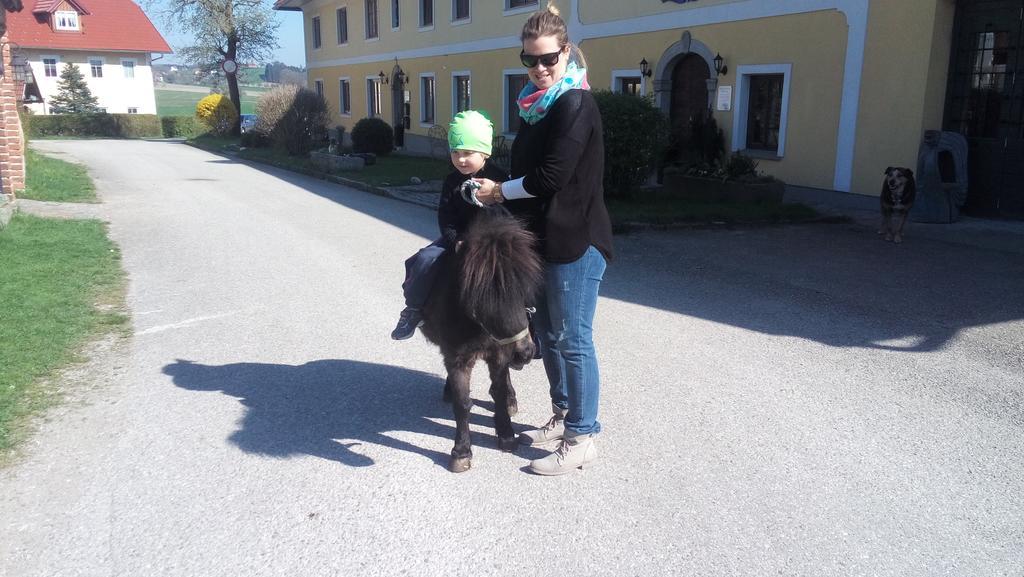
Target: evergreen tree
<point x="73" y="94"/>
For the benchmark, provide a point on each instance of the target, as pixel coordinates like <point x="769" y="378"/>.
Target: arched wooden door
<point x="689" y="92"/>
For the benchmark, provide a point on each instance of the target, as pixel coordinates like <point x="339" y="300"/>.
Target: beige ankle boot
<point x="574" y="453"/>
<point x="547" y="435"/>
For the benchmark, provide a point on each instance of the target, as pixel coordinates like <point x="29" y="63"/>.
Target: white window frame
<point x="379" y="96"/>
<point x="337" y="28"/>
<point x="341" y="95"/>
<point x="395" y="3"/>
<point x="433" y="16"/>
<point x="741" y="101"/>
<point x="56" y="65"/>
<point x="504" y="97"/>
<point x="318" y="87"/>
<point x="366" y="23"/>
<point x="456" y="74"/>
<point x="628" y="73"/>
<point x="461" y="21"/>
<point x="124" y="69"/>
<point x="103" y="64"/>
<point x="507" y="11"/>
<point x="57" y="16"/>
<point x="423" y="100"/>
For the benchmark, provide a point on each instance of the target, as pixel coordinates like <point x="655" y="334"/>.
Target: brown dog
<point x="898" y="191"/>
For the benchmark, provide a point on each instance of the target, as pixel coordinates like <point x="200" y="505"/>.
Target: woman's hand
<point x="489" y="192"/>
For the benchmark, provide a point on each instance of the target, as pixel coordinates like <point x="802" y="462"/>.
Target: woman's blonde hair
<point x="549" y="22"/>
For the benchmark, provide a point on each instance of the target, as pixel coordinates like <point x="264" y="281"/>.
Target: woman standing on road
<point x="557" y="170"/>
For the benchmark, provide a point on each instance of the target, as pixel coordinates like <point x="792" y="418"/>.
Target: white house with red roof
<point x="111" y="42"/>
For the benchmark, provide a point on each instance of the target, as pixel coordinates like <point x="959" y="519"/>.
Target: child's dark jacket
<point x="453" y="213"/>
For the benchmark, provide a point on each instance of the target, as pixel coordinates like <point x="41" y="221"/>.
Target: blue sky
<point x="289" y="35"/>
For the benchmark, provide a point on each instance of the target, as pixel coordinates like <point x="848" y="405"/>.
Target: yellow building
<point x="824" y="93"/>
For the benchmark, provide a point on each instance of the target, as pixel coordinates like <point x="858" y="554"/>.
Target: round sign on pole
<point x="229" y="66"/>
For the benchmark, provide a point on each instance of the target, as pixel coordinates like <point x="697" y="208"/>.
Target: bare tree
<point x="235" y="30"/>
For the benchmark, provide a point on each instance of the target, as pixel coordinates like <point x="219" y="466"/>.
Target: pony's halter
<point x="509" y="340"/>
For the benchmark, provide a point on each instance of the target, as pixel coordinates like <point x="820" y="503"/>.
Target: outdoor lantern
<point x="399" y="73"/>
<point x="383" y="77"/>
<point x="720" y="67"/>
<point x="645" y="69"/>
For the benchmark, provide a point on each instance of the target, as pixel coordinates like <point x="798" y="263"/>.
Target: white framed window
<point x="318" y="87"/>
<point x="373" y="97"/>
<point x="513" y="82"/>
<point x="316" y="33"/>
<point x="345" y="96"/>
<point x="396" y="15"/>
<point x="50" y="66"/>
<point x="519" y="6"/>
<point x="65" y="20"/>
<point x="426" y="14"/>
<point x="427" y="104"/>
<point x="371" y="20"/>
<point x="341" y="22"/>
<point x="629" y="81"/>
<point x="128" y="67"/>
<point x="462" y="91"/>
<point x="761" y="109"/>
<point x="133" y="110"/>
<point x="460" y="12"/>
<point x="96" y="67"/>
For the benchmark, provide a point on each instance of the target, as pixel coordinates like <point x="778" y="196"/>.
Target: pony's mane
<point x="498" y="263"/>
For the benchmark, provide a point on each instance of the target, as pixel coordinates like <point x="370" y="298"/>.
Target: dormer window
<point x="65" y="20"/>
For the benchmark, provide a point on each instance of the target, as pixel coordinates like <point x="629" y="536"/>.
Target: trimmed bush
<point x="293" y="118"/>
<point x="99" y="124"/>
<point x="635" y="136"/>
<point x="175" y="126"/>
<point x="255" y="139"/>
<point x="218" y="113"/>
<point x="373" y="135"/>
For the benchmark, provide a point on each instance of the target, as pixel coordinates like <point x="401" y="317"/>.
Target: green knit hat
<point x="470" y="130"/>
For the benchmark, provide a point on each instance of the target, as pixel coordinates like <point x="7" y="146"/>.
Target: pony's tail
<point x="499" y="262"/>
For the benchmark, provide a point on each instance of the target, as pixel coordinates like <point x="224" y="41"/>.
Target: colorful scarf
<point x="534" y="103"/>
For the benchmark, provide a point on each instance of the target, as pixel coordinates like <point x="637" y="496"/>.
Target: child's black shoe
<point x="409" y="319"/>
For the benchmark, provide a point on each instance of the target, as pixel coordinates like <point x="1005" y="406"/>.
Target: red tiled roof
<point x="105" y="25"/>
<point x="50" y="6"/>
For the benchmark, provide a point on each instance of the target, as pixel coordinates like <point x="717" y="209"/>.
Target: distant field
<point x="183" y="103"/>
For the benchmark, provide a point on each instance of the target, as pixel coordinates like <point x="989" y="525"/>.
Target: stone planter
<point x="715" y="190"/>
<point x="332" y="162"/>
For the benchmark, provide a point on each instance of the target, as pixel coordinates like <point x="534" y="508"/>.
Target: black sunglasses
<point x="531" y="60"/>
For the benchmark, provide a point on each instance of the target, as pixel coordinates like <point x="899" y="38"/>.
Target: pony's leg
<point x="503" y="395"/>
<point x="462" y="454"/>
<point x="511" y="402"/>
<point x="446" y="395"/>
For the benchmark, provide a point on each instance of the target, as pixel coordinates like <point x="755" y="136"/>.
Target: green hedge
<point x="101" y="124"/>
<point x="174" y="126"/>
<point x="635" y="135"/>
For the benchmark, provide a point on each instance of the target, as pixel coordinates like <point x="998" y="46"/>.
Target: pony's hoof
<point x="459" y="465"/>
<point x="509" y="444"/>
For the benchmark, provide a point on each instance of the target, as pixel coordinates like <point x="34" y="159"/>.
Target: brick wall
<point x="12" y="142"/>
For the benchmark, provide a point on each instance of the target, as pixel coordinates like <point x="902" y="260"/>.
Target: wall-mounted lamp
<point x="399" y="73"/>
<point x="720" y="68"/>
<point x="645" y="69"/>
<point x="383" y="77"/>
<point x="18" y="62"/>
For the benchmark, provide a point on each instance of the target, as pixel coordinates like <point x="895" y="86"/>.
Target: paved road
<point x="795" y="401"/>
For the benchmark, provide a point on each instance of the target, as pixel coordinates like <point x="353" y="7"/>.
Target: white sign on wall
<point x="725" y="98"/>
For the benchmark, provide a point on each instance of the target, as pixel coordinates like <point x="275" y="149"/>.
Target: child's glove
<point x="468" y="192"/>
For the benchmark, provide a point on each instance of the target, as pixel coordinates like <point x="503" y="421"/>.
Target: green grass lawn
<point x="55" y="273"/>
<point x="56" y="180"/>
<point x="182" y="103"/>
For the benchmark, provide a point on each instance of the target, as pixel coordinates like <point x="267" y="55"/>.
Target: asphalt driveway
<point x="803" y="400"/>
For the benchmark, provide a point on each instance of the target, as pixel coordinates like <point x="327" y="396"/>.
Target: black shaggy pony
<point x="478" y="310"/>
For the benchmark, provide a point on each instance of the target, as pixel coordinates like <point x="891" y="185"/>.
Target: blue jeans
<point x="420" y="272"/>
<point x="565" y="325"/>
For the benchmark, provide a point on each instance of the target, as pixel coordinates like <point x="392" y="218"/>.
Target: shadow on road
<point x="837" y="284"/>
<point x="328" y="408"/>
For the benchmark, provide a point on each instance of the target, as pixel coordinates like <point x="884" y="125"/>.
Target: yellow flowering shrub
<point x="217" y="113"/>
